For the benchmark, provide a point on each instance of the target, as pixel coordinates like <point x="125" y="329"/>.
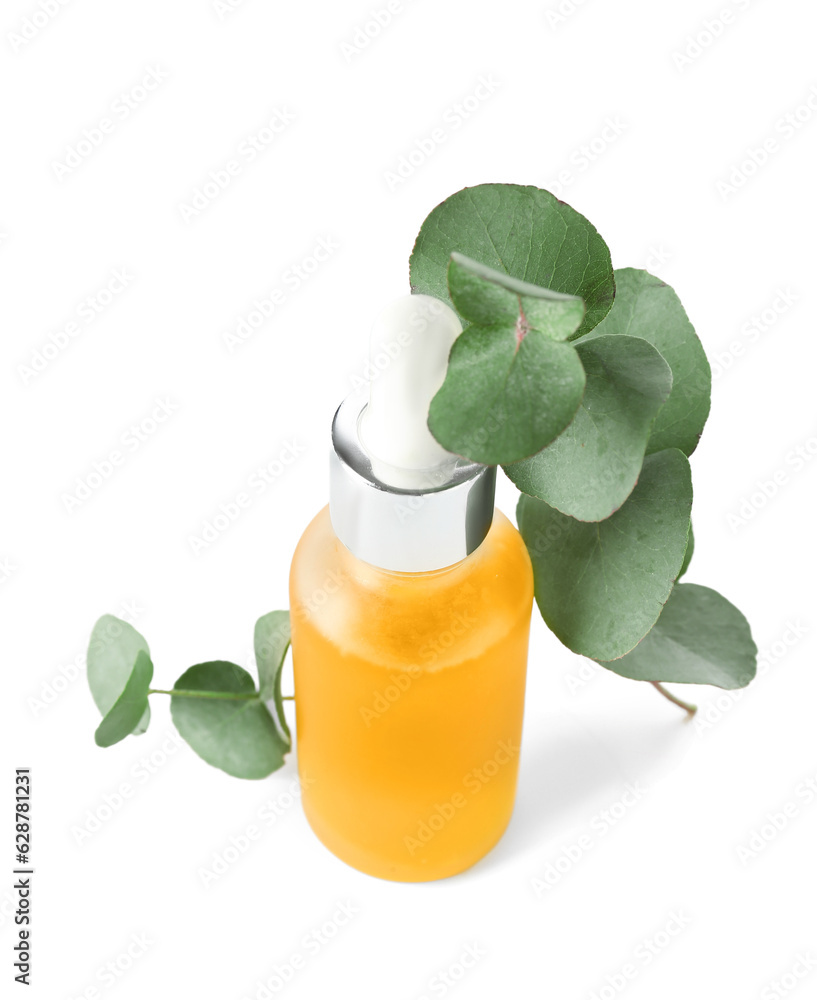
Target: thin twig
<point x="687" y="706"/>
<point x="226" y="695"/>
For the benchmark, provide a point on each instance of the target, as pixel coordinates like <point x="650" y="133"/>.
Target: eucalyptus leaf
<point x="484" y="296"/>
<point x="511" y="385"/>
<point x="647" y="307"/>
<point x="271" y="640"/>
<point x="601" y="586"/>
<point x="688" y="553"/>
<point x="591" y="468"/>
<point x="700" y="638"/>
<point x="237" y="734"/>
<point x="129" y="708"/>
<point x="522" y="231"/>
<point x="112" y="651"/>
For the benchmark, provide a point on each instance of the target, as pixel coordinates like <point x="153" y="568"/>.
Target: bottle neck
<point x="404" y="530"/>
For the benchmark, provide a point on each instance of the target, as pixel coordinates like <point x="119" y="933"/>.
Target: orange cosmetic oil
<point x="409" y="694"/>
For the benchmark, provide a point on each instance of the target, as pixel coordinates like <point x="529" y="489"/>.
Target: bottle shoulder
<point x="480" y="598"/>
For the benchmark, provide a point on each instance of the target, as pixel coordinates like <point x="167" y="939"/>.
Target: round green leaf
<point x="504" y="399"/>
<point x="646" y="307"/>
<point x="700" y="638"/>
<point x="523" y="231"/>
<point x="591" y="468"/>
<point x="129" y="708"/>
<point x="238" y="734"/>
<point x="112" y="651"/>
<point x="511" y="386"/>
<point x="271" y="640"/>
<point x="601" y="586"/>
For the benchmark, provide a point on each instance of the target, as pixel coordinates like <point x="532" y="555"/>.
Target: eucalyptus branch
<point x="591" y="389"/>
<point x="229" y="719"/>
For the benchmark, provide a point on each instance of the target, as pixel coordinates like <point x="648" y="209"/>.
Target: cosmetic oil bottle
<point x="410" y="604"/>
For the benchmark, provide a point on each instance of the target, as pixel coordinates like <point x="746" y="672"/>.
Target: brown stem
<point x="687" y="706"/>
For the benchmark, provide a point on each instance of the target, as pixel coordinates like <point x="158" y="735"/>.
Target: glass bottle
<point x="410" y="608"/>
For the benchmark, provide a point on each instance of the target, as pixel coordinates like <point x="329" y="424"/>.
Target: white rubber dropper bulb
<point x="410" y="344"/>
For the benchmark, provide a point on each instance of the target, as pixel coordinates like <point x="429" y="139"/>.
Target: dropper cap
<point x="397" y="499"/>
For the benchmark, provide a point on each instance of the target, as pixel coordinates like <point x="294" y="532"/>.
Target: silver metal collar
<point x="404" y="530"/>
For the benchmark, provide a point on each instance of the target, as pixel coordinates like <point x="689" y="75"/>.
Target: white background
<point x="652" y="190"/>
